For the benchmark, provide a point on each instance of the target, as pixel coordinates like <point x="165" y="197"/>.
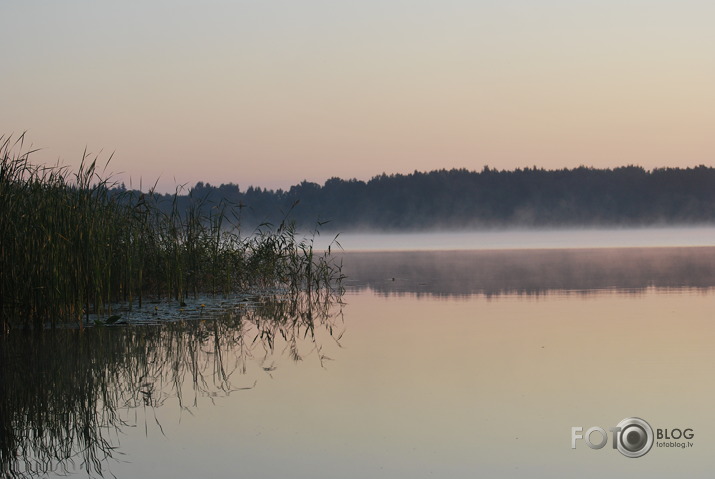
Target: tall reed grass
<point x="70" y="246"/>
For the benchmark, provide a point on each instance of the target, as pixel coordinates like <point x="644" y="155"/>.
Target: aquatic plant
<point x="71" y="246"/>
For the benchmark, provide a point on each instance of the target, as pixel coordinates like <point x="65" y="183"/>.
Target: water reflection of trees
<point x="530" y="272"/>
<point x="64" y="393"/>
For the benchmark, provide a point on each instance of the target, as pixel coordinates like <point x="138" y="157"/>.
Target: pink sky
<point x="271" y="93"/>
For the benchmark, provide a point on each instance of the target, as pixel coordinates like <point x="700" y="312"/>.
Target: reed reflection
<point x="66" y="395"/>
<point x="530" y="272"/>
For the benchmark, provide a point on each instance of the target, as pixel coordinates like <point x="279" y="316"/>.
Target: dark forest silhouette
<point x="458" y="199"/>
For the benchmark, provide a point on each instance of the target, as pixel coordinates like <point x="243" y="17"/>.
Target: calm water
<point x="460" y="364"/>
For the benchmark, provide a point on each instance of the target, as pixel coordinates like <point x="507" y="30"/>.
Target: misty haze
<point x="357" y="240"/>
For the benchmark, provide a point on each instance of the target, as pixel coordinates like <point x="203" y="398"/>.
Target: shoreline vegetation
<point x="73" y="245"/>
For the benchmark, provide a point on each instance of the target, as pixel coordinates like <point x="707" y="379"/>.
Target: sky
<point x="272" y="92"/>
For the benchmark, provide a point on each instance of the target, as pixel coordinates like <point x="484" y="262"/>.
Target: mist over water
<point x="530" y="271"/>
<point x="524" y="238"/>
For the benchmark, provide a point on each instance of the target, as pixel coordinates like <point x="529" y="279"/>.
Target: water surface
<point x="455" y="364"/>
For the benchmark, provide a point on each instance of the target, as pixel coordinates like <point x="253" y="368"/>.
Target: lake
<point x="450" y="356"/>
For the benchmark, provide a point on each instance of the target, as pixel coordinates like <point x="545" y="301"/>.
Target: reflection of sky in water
<point x="478" y="388"/>
<point x="487" y="385"/>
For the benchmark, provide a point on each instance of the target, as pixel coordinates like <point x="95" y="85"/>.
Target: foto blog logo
<point x="633" y="437"/>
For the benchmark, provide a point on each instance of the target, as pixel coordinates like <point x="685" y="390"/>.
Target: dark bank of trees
<point x="459" y="198"/>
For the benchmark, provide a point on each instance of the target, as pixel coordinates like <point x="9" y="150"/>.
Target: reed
<point x="72" y="246"/>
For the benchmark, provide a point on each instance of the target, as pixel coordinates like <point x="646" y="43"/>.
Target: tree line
<point x="459" y="199"/>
